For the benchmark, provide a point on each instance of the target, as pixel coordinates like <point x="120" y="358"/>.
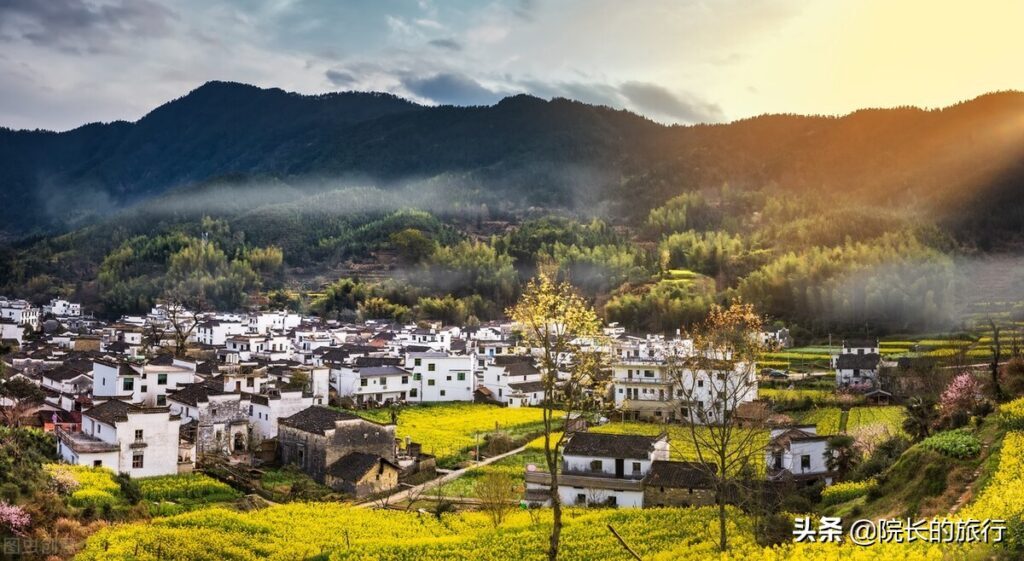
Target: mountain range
<point x="963" y="165"/>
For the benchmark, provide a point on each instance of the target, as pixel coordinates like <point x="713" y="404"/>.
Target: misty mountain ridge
<point x="962" y="163"/>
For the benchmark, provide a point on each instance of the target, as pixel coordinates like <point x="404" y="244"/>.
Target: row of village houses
<point x="263" y="382"/>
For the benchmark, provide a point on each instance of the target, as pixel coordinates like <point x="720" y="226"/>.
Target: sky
<point x="64" y="63"/>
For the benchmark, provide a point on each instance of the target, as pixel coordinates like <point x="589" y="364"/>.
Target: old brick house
<point x="333" y="447"/>
<point x="675" y="483"/>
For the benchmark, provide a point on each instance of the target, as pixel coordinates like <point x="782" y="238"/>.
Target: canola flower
<point x="340" y="533"/>
<point x="449" y="430"/>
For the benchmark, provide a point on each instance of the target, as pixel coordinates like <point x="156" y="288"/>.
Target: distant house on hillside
<point x="857" y="364"/>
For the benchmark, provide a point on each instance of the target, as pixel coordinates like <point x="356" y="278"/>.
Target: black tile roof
<point x="317" y="419"/>
<point x="353" y="466"/>
<point x="850" y="361"/>
<point x="527" y="387"/>
<point x="632" y="446"/>
<point x="687" y="475"/>
<point x="372" y="371"/>
<point x="111" y="412"/>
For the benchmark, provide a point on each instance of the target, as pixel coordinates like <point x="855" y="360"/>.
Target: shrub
<point x="842" y="492"/>
<point x="960" y="443"/>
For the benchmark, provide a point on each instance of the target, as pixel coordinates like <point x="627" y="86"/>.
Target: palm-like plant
<point x="921" y="417"/>
<point x="841" y="455"/>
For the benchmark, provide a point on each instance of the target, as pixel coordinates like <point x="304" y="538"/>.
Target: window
<point x="700" y="383"/>
<point x="442" y="393"/>
<point x="417" y="377"/>
<point x="595" y="465"/>
<point x="97" y="463"/>
<point x="161" y="400"/>
<point x="383" y="381"/>
<point x="461" y="376"/>
<point x="250" y="382"/>
<point x="161" y="379"/>
<point x="448" y="378"/>
<point x="431" y="367"/>
<point x="138" y="434"/>
<point x="418" y="361"/>
<point x="137" y="461"/>
<point x="581" y="498"/>
<point x="363" y="382"/>
<point x="405" y="379"/>
<point x="430" y="382"/>
<point x="805" y="461"/>
<point x="128" y="384"/>
<point x="413" y="392"/>
<point x="636" y="467"/>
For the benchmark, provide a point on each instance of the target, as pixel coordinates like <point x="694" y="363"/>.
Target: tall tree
<point x="555" y="321"/>
<point x="997" y="349"/>
<point x="713" y="378"/>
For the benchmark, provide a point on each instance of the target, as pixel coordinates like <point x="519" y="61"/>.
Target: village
<point x="173" y="392"/>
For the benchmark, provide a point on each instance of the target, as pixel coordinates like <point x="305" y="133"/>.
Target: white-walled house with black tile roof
<point x="601" y="469"/>
<point x="511" y="379"/>
<point x="379" y="384"/>
<point x="140" y="382"/>
<point x="139" y="441"/>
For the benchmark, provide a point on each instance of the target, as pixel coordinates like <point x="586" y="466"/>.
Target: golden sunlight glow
<point x="834" y="57"/>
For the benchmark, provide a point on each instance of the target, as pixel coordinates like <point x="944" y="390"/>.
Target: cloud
<point x="448" y="88"/>
<point x="429" y="23"/>
<point x="652" y="98"/>
<point x="340" y="78"/>
<point x="77" y="25"/>
<point x="449" y="44"/>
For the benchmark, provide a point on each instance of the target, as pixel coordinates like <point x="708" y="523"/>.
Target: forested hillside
<point x="365" y="205"/>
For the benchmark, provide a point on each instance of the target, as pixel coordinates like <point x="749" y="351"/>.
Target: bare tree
<point x="183" y="307"/>
<point x="497" y="493"/>
<point x="712" y="380"/>
<point x="554" y="321"/>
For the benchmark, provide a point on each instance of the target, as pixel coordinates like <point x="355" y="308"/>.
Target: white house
<point x="265" y="409"/>
<point x="510" y="379"/>
<point x="857" y="364"/>
<point x="268" y="322"/>
<point x="440" y="376"/>
<point x="797" y="453"/>
<point x="140" y="383"/>
<point x="215" y="332"/>
<point x="20" y="312"/>
<point x="380" y="384"/>
<point x="651" y="389"/>
<point x="139" y="441"/>
<point x="62" y="308"/>
<point x="601" y="469"/>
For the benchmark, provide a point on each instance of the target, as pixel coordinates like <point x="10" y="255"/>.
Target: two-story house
<point x="797" y="453"/>
<point x="127" y="438"/>
<point x="857" y="364"/>
<point x="601" y="469"/>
